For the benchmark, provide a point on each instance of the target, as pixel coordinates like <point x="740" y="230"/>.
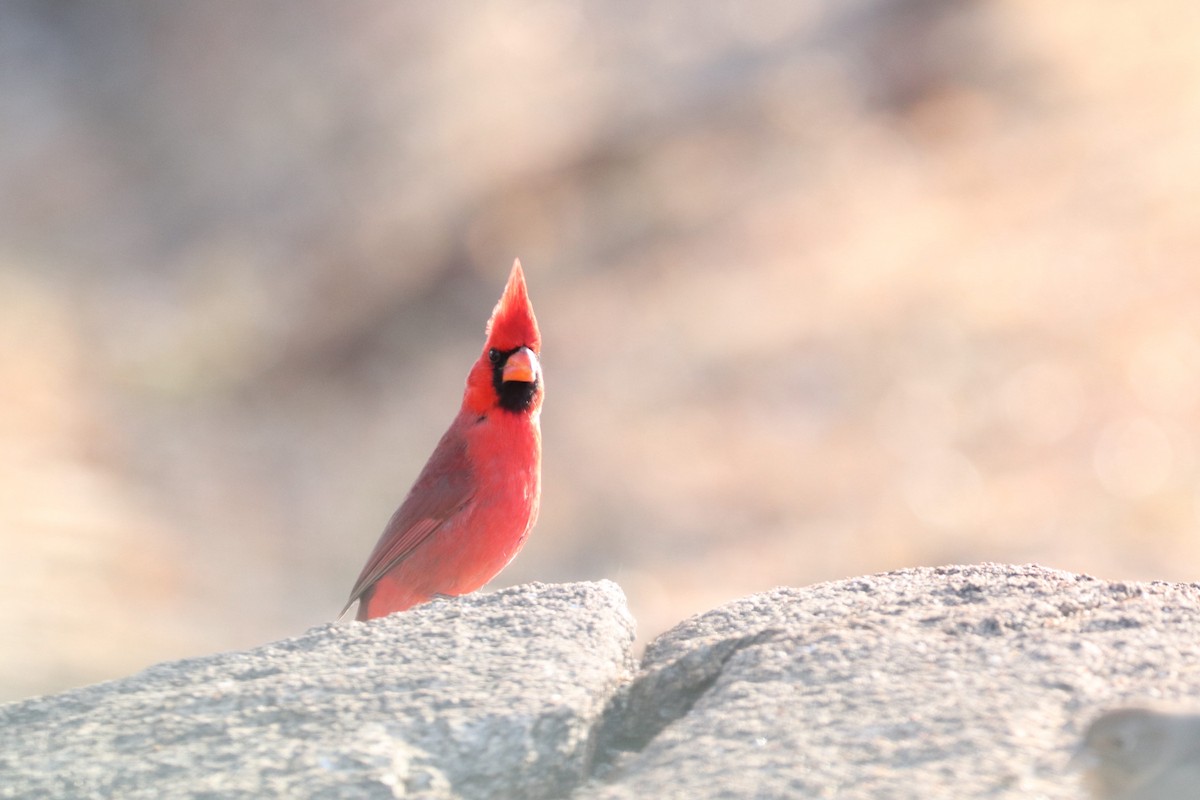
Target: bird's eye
<point x="494" y="356"/>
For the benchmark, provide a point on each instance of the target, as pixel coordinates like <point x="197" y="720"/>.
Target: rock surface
<point x="480" y="697"/>
<point x="956" y="682"/>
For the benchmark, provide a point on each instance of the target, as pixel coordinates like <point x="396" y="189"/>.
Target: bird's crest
<point x="513" y="323"/>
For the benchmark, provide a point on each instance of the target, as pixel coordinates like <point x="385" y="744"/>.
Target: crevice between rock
<point x="659" y="695"/>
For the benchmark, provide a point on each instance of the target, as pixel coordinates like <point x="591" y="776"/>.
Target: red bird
<point x="476" y="500"/>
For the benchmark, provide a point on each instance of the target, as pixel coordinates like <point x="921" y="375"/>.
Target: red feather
<point x="476" y="499"/>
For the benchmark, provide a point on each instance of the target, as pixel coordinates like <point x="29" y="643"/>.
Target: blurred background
<point x="827" y="287"/>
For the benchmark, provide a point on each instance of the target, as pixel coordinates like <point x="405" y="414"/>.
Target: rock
<point x="952" y="682"/>
<point x="955" y="682"/>
<point x="1141" y="754"/>
<point x="479" y="697"/>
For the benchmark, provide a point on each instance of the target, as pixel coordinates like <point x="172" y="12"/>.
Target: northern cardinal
<point x="476" y="500"/>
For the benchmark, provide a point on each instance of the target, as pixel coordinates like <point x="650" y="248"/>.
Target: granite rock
<point x="484" y="696"/>
<point x="954" y="682"/>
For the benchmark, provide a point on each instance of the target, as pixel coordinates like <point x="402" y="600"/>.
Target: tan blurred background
<point x="827" y="288"/>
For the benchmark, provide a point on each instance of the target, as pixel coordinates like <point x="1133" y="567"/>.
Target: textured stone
<point x="484" y="696"/>
<point x="950" y="682"/>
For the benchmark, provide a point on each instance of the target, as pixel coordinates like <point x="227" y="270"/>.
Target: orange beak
<point x="521" y="366"/>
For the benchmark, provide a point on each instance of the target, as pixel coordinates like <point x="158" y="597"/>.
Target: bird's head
<point x="508" y="374"/>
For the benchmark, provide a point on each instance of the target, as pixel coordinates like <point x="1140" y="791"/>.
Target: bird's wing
<point x="444" y="487"/>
